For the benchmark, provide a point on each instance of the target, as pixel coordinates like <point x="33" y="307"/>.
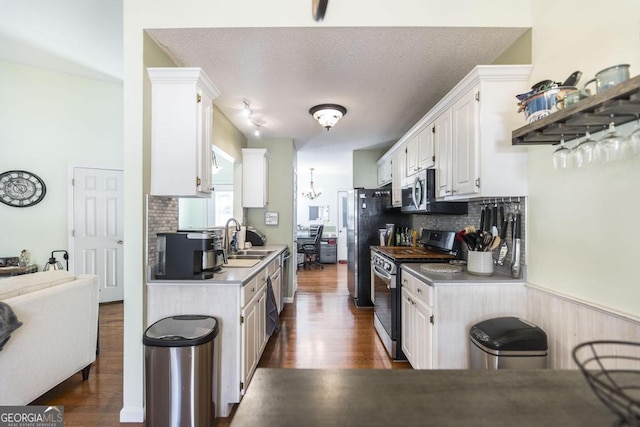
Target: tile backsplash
<point x="458" y="222"/>
<point x="162" y="217"/>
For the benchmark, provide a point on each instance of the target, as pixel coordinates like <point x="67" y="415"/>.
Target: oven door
<point x="383" y="284"/>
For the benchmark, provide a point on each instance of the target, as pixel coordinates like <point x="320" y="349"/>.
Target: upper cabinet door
<point x="204" y="146"/>
<point x="441" y="129"/>
<point x="465" y="136"/>
<point x="255" y="177"/>
<point x="426" y="153"/>
<point x="181" y="131"/>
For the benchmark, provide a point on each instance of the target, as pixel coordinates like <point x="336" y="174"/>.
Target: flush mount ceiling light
<point x="328" y="114"/>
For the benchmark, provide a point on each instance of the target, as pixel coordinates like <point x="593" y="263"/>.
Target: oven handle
<point x="384" y="275"/>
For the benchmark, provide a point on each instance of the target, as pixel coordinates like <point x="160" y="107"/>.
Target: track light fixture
<point x="248" y="113"/>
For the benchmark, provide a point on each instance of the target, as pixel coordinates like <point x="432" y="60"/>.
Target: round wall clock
<point x="21" y="189"/>
<point x="318" y="9"/>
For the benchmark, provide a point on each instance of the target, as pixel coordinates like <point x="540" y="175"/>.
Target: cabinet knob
<point x="419" y="290"/>
<point x="198" y="181"/>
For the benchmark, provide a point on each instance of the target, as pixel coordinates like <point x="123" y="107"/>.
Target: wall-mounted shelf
<point x="592" y="113"/>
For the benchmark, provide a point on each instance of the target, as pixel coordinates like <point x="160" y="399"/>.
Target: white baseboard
<point x="132" y="415"/>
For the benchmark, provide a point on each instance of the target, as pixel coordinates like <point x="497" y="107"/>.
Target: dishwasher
<point x="285" y="260"/>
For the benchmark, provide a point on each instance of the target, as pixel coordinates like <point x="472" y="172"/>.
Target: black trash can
<point x="181" y="374"/>
<point x="507" y="343"/>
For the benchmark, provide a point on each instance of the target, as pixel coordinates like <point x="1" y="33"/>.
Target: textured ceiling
<point x="386" y="77"/>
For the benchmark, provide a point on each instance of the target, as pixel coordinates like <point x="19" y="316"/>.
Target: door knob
<point x="120" y="242"/>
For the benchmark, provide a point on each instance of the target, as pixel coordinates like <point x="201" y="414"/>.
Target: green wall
<point x="365" y="169"/>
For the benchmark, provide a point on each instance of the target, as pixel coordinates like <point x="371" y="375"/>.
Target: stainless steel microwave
<point x="419" y="196"/>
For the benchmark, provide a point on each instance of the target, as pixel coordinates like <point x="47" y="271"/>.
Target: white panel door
<point x="98" y="228"/>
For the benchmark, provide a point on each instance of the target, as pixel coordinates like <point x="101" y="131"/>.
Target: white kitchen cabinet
<point x="439" y="317"/>
<point x="420" y="151"/>
<point x="417" y="327"/>
<point x="241" y="310"/>
<point x="397" y="176"/>
<point x="478" y="159"/>
<point x="181" y="131"/>
<point x="253" y="326"/>
<point x="408" y="322"/>
<point x="255" y="177"/>
<point x="464" y="119"/>
<point x="384" y="171"/>
<point x="442" y="144"/>
<point x="249" y="332"/>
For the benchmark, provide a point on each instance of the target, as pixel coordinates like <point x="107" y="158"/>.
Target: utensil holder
<point x="480" y="263"/>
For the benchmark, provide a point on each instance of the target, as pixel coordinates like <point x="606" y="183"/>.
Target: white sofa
<point x="58" y="336"/>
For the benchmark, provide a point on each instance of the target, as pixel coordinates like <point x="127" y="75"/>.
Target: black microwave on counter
<point x="419" y="196"/>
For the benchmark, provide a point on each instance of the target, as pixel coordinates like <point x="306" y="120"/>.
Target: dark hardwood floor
<point x="322" y="329"/>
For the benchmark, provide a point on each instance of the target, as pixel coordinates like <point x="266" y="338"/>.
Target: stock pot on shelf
<point x="542" y="103"/>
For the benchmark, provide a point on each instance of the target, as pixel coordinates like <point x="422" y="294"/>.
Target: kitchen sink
<point x="245" y="256"/>
<point x="241" y="263"/>
<point x="263" y="253"/>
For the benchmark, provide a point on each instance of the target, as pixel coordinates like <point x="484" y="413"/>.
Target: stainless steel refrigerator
<point x="368" y="210"/>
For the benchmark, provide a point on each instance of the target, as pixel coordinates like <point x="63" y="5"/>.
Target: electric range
<point x="437" y="247"/>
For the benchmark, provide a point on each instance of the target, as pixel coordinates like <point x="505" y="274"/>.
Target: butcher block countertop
<point x="379" y="397"/>
<point x="409" y="252"/>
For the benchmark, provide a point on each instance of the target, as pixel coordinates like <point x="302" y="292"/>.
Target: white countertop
<point x="230" y="275"/>
<point x="462" y="278"/>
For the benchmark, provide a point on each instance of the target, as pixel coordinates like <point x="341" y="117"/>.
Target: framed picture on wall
<point x="271" y="218"/>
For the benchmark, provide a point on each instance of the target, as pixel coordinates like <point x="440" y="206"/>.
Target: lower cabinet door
<point x="261" y="333"/>
<point x="249" y="341"/>
<point x="407" y="326"/>
<point x="423" y="348"/>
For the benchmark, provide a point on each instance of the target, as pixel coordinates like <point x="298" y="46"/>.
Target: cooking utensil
<point x="515" y="263"/>
<point x="523" y="96"/>
<point x="573" y="79"/>
<point x="542" y="85"/>
<point x="609" y="77"/>
<point x="482" y="218"/>
<point x="494" y="224"/>
<point x="502" y="254"/>
<point x="495" y="242"/>
<point x="472" y="240"/>
<point x="487" y="218"/>
<point x="484" y="242"/>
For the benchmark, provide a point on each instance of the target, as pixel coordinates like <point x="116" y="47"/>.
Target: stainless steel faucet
<point x="227" y="241"/>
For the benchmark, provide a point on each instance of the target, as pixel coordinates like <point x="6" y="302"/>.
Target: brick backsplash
<point x="458" y="222"/>
<point x="162" y="216"/>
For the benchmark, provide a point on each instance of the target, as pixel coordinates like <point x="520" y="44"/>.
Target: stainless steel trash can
<point x="181" y="375"/>
<point x="507" y="343"/>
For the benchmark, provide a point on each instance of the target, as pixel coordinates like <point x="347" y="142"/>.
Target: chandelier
<point x="311" y="194"/>
<point x="328" y="114"/>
